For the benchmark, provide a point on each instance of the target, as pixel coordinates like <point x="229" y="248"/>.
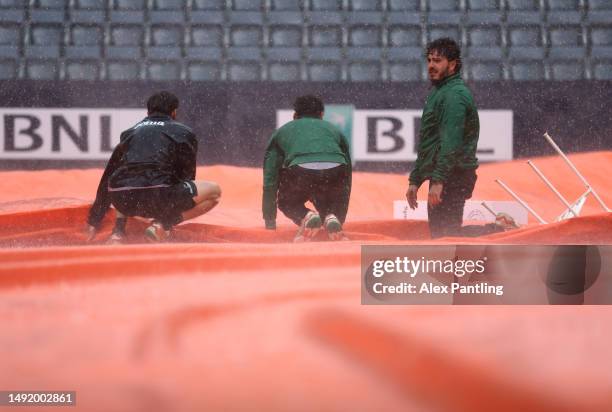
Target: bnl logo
<point x="393" y="135"/>
<point x="63" y="133"/>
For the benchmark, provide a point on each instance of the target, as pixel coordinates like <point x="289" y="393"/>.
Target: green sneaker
<point x="334" y="228"/>
<point x="311" y="224"/>
<point x="156" y="233"/>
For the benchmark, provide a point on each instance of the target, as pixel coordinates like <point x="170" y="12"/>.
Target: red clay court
<point x="231" y="316"/>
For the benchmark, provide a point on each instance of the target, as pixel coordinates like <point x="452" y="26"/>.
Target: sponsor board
<point x="63" y="134"/>
<point x="392" y="135"/>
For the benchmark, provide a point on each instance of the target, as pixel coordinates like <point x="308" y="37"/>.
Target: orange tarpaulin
<point x="231" y="316"/>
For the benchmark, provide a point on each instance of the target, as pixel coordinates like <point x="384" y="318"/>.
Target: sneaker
<point x="116" y="238"/>
<point x="505" y="221"/>
<point x="156" y="233"/>
<point x="334" y="228"/>
<point x="311" y="224"/>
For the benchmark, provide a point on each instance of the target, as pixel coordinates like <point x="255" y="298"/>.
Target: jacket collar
<point x="448" y="79"/>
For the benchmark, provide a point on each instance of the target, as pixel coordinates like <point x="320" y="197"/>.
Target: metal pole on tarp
<point x="575" y="170"/>
<point x="521" y="201"/>
<point x="553" y="188"/>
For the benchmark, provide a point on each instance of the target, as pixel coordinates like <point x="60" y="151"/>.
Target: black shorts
<point x="165" y="204"/>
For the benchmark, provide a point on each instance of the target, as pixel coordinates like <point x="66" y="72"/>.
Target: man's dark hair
<point x="308" y="106"/>
<point x="446" y="47"/>
<point x="162" y="102"/>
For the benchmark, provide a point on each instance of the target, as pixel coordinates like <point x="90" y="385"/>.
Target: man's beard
<point x="444" y="75"/>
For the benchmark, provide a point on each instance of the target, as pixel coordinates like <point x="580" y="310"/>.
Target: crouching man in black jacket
<point x="151" y="174"/>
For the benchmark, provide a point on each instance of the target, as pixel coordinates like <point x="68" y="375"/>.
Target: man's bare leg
<point x="208" y="197"/>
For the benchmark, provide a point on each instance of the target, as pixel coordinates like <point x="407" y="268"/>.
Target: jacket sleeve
<point x="346" y="194"/>
<point x="273" y="161"/>
<point x="187" y="159"/>
<point x="416" y="177"/>
<point x="102" y="203"/>
<point x="452" y="125"/>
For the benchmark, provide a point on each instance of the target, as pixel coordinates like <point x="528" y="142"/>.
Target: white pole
<point x="521" y="201"/>
<point x="484" y="204"/>
<point x="551" y="187"/>
<point x="575" y="170"/>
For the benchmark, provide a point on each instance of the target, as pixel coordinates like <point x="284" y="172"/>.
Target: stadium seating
<point x="300" y="40"/>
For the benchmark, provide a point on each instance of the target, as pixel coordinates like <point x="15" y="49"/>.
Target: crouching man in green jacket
<point x="308" y="159"/>
<point x="447" y="147"/>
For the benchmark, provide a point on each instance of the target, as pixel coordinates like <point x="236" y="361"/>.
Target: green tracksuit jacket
<point x="449" y="132"/>
<point x="300" y="141"/>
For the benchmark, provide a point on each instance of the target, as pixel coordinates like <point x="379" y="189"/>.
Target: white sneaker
<point x="311" y="224"/>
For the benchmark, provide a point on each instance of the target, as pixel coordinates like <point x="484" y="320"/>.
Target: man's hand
<point x="411" y="196"/>
<point x="91" y="233"/>
<point x="435" y="193"/>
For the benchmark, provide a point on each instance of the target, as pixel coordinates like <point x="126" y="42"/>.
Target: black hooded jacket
<point x="156" y="152"/>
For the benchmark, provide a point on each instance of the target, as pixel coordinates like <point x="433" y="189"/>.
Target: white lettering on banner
<point x="390" y="135"/>
<point x="62" y="133"/>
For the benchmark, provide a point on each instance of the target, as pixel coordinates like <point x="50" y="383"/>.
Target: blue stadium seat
<point x="325" y="36"/>
<point x="284" y="54"/>
<point x="405" y="71"/>
<point x="600" y="11"/>
<point x="12" y="11"/>
<point x="8" y="69"/>
<point x="527" y="70"/>
<point x="323" y="5"/>
<point x="567" y="70"/>
<point x="127" y="11"/>
<point x="601" y="42"/>
<point x="163" y="71"/>
<point x="246" y="36"/>
<point x="602" y="70"/>
<point x="206" y="36"/>
<point x="168" y="11"/>
<point x="404" y="36"/>
<point x="525" y="42"/>
<point x="483" y="11"/>
<point x="284" y="72"/>
<point x="286" y="18"/>
<point x="404" y="5"/>
<point x="212" y="5"/>
<point x="365" y="5"/>
<point x="85" y="42"/>
<point x="203" y="71"/>
<point x="10" y="40"/>
<point x="437" y="32"/>
<point x="365" y="36"/>
<point x="125" y="42"/>
<point x="484" y="42"/>
<point x="444" y="12"/>
<point x="563" y="11"/>
<point x="370" y="71"/>
<point x="324" y="72"/>
<point x="243" y="54"/>
<point x="523" y="12"/>
<point x="82" y="70"/>
<point x="166" y="42"/>
<point x="243" y="71"/>
<point x="286" y="36"/>
<point x="287" y="5"/>
<point x="566" y="42"/>
<point x="247" y="5"/>
<point x="42" y="70"/>
<point x="484" y="70"/>
<point x="48" y="11"/>
<point x="88" y="11"/>
<point x="45" y="41"/>
<point x="123" y="70"/>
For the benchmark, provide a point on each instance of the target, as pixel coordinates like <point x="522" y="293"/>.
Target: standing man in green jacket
<point x="447" y="146"/>
<point x="308" y="159"/>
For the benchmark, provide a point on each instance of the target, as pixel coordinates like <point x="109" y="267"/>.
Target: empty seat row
<point x="283" y="71"/>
